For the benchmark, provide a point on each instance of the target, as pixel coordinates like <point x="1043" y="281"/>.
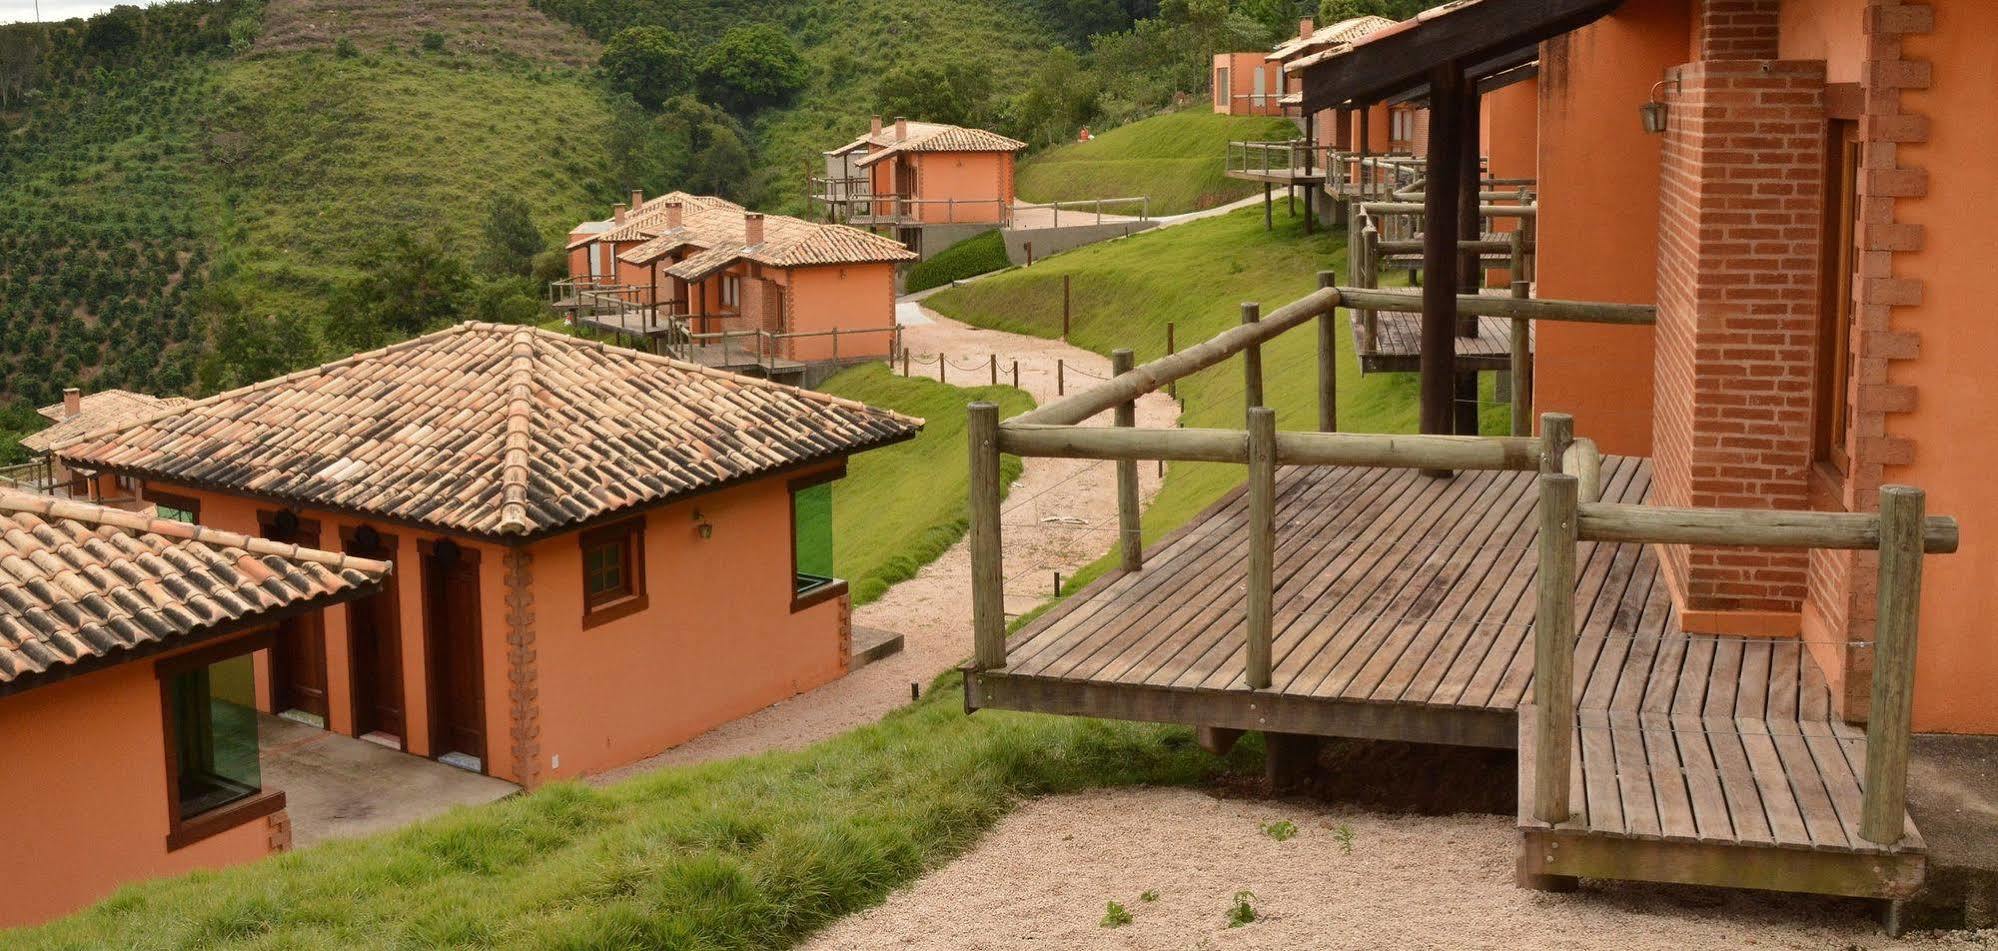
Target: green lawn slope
<point x="1176" y="159"/>
<point x="900" y="507"/>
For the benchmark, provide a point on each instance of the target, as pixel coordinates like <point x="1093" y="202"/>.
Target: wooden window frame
<point x="184" y="503"/>
<point x="1224" y="91"/>
<point x="630" y="535"/>
<point x="185" y="831"/>
<point x="1831" y="421"/>
<point x="837" y="586"/>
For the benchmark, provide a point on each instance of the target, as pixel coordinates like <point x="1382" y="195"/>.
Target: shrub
<point x="750" y="68"/>
<point x="968" y="258"/>
<point x="433" y="42"/>
<point x="344" y="48"/>
<point x="647" y="62"/>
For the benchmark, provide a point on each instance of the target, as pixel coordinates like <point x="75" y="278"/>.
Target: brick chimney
<point x="637" y="199"/>
<point x="752" y="228"/>
<point x="1305" y="28"/>
<point x="617" y="213"/>
<point x="901" y="128"/>
<point x="673" y="215"/>
<point x="72" y="401"/>
<point x="875" y="129"/>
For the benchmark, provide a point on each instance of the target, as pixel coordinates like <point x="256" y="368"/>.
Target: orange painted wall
<point x="850" y="297"/>
<point x="717" y="641"/>
<point x="1242" y="69"/>
<point x="1511" y="131"/>
<point x="981" y="183"/>
<point x="1598" y="223"/>
<point x="84" y="779"/>
<point x="1827" y="30"/>
<point x="1954" y="424"/>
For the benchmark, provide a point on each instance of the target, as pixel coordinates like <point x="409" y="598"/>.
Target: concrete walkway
<point x="338" y="787"/>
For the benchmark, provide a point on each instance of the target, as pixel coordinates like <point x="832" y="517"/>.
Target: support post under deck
<point x="1439" y="252"/>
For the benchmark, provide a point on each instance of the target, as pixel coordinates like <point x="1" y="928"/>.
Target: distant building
<point x="79" y="413"/>
<point x="127" y="714"/>
<point x="600" y="553"/>
<point x="927" y="183"/>
<point x="1245" y="85"/>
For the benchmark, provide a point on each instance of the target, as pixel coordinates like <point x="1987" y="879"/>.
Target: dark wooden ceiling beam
<point x="1400" y="61"/>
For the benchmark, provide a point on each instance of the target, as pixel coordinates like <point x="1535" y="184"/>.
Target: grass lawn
<point x="967" y="258"/>
<point x="1197" y="275"/>
<point x="1176" y="158"/>
<point x="900" y="507"/>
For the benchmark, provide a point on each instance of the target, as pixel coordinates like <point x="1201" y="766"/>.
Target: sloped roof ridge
<point x="15" y="501"/>
<point x="514" y="474"/>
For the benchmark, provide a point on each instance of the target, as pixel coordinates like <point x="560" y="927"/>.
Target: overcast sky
<point x="15" y="10"/>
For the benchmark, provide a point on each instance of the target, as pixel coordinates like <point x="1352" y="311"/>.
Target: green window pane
<point x="811" y="524"/>
<point x="215" y="735"/>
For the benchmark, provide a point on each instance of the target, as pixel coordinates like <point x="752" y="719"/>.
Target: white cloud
<point x="15" y="11"/>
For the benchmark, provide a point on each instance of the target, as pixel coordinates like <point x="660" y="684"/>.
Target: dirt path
<point x="1060" y="515"/>
<point x="1040" y="880"/>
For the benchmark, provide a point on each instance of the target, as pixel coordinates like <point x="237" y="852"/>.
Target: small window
<point x="731" y="291"/>
<point x="214" y="773"/>
<point x="812" y="576"/>
<point x="613" y="571"/>
<point x="1831" y="423"/>
<point x="1221" y="89"/>
<point x="174" y="508"/>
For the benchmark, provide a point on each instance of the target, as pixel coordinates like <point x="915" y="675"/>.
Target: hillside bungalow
<point x="79" y="413"/>
<point x="603" y="552"/>
<point x="932" y="184"/>
<point x="127" y="724"/>
<point x="1245" y="85"/>
<point x="1715" y="632"/>
<point x="704" y="279"/>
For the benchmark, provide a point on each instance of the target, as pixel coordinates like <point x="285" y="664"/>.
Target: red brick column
<point x="1741" y="198"/>
<point x="1736" y="30"/>
<point x="1839" y="614"/>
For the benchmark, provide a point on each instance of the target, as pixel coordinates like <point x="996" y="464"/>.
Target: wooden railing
<point x="1899" y="532"/>
<point x="1278" y="156"/>
<point x="36" y="475"/>
<point x="1054" y="430"/>
<point x="1085" y="207"/>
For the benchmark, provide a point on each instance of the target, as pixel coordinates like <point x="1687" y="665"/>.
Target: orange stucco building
<point x="927" y="184"/>
<point x="125" y="695"/>
<point x="1245" y="84"/>
<point x="1809" y="224"/>
<point x="717" y="268"/>
<point x="600" y="553"/>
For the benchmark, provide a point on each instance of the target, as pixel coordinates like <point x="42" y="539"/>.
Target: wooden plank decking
<point x="1397" y="346"/>
<point x="1404" y="610"/>
<point x="1278" y="175"/>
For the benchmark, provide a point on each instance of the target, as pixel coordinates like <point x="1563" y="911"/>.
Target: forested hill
<point x="199" y="194"/>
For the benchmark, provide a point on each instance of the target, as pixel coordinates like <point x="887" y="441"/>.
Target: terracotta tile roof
<point x="81" y="585"/>
<point x="646" y="220"/>
<point x="98" y="410"/>
<point x="933" y="137"/>
<point x="787" y="241"/>
<point x="491" y="430"/>
<point x="1340" y="33"/>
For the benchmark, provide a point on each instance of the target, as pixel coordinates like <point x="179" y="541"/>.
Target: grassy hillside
<point x="1197" y="275"/>
<point x="884" y="527"/>
<point x="1176" y="158"/>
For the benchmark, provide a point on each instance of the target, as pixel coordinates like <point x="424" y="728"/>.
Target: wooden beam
<point x="1521" y="347"/>
<point x="1494" y="31"/>
<point x="1883" y="811"/>
<point x="1760" y="528"/>
<point x="1130" y="534"/>
<point x="1422" y="207"/>
<point x="1252" y="360"/>
<point x="988" y="597"/>
<point x="1151" y="376"/>
<point x="1470" y="270"/>
<point x="1587" y="312"/>
<point x="1811" y="871"/>
<point x="1554" y="650"/>
<point x="1262" y="544"/>
<point x="1439" y="269"/>
<point x="1380" y="450"/>
<point x="1328" y="362"/>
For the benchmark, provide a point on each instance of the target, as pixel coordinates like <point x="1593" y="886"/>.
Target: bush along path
<point x="1060" y="515"/>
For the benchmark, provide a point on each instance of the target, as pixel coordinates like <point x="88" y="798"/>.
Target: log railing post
<point x="1554" y="648"/>
<point x="988" y="606"/>
<point x="1130" y="534"/>
<point x="1884" y="807"/>
<point x="1557" y="433"/>
<point x="1328" y="362"/>
<point x="1262" y="543"/>
<point x="1252" y="361"/>
<point x="1521" y="345"/>
<point x="1370" y="275"/>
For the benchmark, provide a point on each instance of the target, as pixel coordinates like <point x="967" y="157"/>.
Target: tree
<point x="113" y="31"/>
<point x="647" y="62"/>
<point x="751" y="67"/>
<point x="407" y="286"/>
<point x="511" y="238"/>
<point x="706" y="150"/>
<point x="1059" y="97"/>
<point x="956" y="92"/>
<point x="1332" y="11"/>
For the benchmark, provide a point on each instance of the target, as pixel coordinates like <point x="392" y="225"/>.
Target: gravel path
<point x="1040" y="879"/>
<point x="1060" y="515"/>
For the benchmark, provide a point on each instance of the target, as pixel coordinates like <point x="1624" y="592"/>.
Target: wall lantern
<point x="1653" y="113"/>
<point x="702" y="525"/>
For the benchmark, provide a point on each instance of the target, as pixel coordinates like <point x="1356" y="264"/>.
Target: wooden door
<point x="374" y="633"/>
<point x="451" y="633"/>
<point x="298" y="655"/>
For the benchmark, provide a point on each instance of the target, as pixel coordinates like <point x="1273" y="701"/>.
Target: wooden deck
<point x="1404" y="610"/>
<point x="1397" y="346"/>
<point x="1294" y="175"/>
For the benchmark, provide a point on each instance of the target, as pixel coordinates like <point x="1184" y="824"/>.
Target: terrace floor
<point x="339" y="787"/>
<point x="1397" y="344"/>
<point x="1404" y="610"/>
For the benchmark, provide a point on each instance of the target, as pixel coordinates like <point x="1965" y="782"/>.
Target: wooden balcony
<point x="1345" y="589"/>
